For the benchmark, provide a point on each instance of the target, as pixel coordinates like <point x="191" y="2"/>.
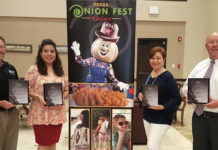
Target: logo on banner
<point x="94" y="11"/>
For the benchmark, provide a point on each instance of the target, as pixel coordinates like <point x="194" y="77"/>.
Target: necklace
<point x="155" y="78"/>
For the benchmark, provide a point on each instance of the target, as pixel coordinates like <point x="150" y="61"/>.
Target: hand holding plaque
<point x="18" y="91"/>
<point x="145" y="102"/>
<point x="53" y="94"/>
<point x="198" y="90"/>
<point x="150" y="95"/>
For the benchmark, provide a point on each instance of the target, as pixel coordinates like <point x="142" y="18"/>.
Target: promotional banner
<point x="101" y="38"/>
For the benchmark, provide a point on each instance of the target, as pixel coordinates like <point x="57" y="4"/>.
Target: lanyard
<point x="155" y="78"/>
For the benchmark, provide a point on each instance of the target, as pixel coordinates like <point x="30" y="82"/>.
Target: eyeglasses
<point x="121" y="123"/>
<point x="2" y="47"/>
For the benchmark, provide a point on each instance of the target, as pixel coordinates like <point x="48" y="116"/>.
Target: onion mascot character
<point x="104" y="51"/>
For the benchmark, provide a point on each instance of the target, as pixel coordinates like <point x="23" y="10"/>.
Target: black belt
<point x="3" y="109"/>
<point x="208" y="114"/>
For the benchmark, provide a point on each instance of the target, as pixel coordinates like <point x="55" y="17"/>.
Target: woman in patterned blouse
<point x="46" y="120"/>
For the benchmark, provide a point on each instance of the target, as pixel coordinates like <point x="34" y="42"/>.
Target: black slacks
<point x="205" y="132"/>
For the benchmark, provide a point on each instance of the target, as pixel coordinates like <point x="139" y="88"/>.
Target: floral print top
<point x="38" y="113"/>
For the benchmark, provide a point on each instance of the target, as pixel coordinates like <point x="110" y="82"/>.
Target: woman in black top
<point x="158" y="118"/>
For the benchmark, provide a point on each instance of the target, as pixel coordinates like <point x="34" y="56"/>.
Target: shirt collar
<point x="216" y="61"/>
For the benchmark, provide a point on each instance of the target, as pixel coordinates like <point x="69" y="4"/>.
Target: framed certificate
<point x="53" y="94"/>
<point x="198" y="90"/>
<point x="18" y="91"/>
<point x="150" y="95"/>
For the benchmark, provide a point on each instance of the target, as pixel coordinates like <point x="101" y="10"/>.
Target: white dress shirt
<point x="199" y="72"/>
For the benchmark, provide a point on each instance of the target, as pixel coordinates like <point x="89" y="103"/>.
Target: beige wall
<point x="26" y="21"/>
<point x="168" y="11"/>
<point x="31" y="31"/>
<point x="33" y="8"/>
<point x="195" y="34"/>
<point x="169" y="30"/>
<point x="211" y="19"/>
<point x="194" y="14"/>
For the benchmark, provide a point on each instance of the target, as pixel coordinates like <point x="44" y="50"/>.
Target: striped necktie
<point x="199" y="107"/>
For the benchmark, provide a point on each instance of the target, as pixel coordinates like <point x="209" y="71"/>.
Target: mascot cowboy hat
<point x="108" y="32"/>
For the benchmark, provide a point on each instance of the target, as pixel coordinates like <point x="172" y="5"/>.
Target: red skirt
<point x="46" y="135"/>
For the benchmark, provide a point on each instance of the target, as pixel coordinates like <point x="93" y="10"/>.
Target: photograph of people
<point x="46" y="121"/>
<point x="121" y="129"/>
<point x="101" y="129"/>
<point x="9" y="115"/>
<point x="80" y="129"/>
<point x="205" y="117"/>
<point x="157" y="119"/>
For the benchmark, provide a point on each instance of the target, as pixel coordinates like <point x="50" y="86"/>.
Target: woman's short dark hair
<point x="2" y="39"/>
<point x="85" y="121"/>
<point x="157" y="49"/>
<point x="57" y="66"/>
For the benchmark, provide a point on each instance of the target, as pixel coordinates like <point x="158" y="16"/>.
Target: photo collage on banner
<point x="100" y="128"/>
<point x="101" y="43"/>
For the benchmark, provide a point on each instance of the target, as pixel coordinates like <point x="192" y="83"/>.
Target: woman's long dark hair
<point x="85" y="121"/>
<point x="42" y="68"/>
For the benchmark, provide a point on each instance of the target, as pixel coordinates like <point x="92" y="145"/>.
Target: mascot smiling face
<point x="104" y="50"/>
<point x="104" y="47"/>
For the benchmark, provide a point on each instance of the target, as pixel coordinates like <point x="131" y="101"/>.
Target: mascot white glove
<point x="75" y="47"/>
<point x="123" y="86"/>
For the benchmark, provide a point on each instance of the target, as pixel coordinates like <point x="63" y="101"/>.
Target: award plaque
<point x="53" y="94"/>
<point x="18" y="91"/>
<point x="150" y="95"/>
<point x="198" y="90"/>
